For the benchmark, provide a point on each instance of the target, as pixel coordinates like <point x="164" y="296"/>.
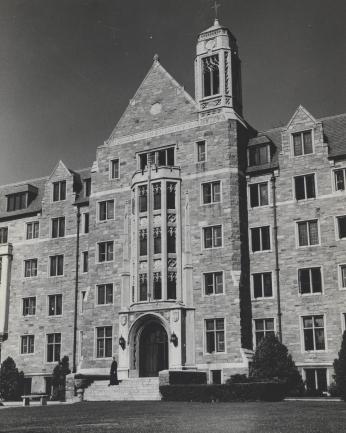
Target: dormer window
<point x="259" y="155"/>
<point x="302" y="143"/>
<point x="211" y="75"/>
<point x="59" y="190"/>
<point x="17" y="201"/>
<point x="161" y="157"/>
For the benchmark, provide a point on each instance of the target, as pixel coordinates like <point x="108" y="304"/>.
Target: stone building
<point x="190" y="238"/>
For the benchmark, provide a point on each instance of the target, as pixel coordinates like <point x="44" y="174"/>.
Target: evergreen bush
<point x="61" y="370"/>
<point x="11" y="381"/>
<point x="340" y="369"/>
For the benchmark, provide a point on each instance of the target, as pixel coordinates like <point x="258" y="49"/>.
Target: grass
<point x="169" y="417"/>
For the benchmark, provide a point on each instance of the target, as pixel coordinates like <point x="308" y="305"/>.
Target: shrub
<point x="61" y="370"/>
<point x="265" y="391"/>
<point x="238" y="378"/>
<point x="11" y="380"/>
<point x="184" y="377"/>
<point x="272" y="361"/>
<point x="340" y="369"/>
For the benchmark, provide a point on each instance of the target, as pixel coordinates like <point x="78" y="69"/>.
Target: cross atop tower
<point x="216" y="7"/>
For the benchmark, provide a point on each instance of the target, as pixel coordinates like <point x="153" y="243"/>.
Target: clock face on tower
<point x="210" y="44"/>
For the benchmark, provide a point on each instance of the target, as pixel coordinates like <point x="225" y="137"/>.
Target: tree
<point x="272" y="361"/>
<point x="340" y="369"/>
<point x="61" y="370"/>
<point x="11" y="380"/>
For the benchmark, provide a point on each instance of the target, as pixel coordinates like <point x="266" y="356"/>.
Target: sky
<point x="69" y="67"/>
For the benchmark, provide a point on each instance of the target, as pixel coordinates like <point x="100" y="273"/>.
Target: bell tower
<point x="217" y="73"/>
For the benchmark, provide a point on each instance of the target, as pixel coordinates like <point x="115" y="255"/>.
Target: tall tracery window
<point x="143" y="287"/>
<point x="157" y="196"/>
<point x="143" y="250"/>
<point x="211" y="75"/>
<point x="172" y="285"/>
<point x="157" y="240"/>
<point x="171" y="235"/>
<point x="171" y="195"/>
<point x="157" y="285"/>
<point x="143" y="198"/>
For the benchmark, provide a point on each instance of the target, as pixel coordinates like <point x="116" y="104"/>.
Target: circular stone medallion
<point x="156" y="108"/>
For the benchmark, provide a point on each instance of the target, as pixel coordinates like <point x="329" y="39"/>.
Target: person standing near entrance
<point x="113" y="380"/>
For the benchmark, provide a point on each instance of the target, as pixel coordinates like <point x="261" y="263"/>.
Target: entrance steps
<point x="141" y="388"/>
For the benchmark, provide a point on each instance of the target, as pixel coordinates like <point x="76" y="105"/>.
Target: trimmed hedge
<point x="264" y="391"/>
<point x="187" y="377"/>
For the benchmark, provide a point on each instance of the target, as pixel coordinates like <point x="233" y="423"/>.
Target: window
<point x="17" y="201"/>
<point x="58" y="227"/>
<point x="104" y="294"/>
<point x="115" y="169"/>
<point x="29" y="306"/>
<point x="259" y="155"/>
<point x="106" y="210"/>
<point x="157" y="285"/>
<point x="85" y="261"/>
<point x="262" y="285"/>
<point x="212" y="237"/>
<point x="341" y="226"/>
<point x="86" y="222"/>
<point x="342" y="270"/>
<point x="157" y="196"/>
<point x="157" y="240"/>
<point x="161" y="157"/>
<point x="87" y="187"/>
<point x="105" y="251"/>
<point x="143" y="198"/>
<point x="215" y="335"/>
<point x="339" y="179"/>
<point x="59" y="190"/>
<point x="211" y="75"/>
<point x="259" y="194"/>
<point x="171" y="285"/>
<point x="313" y="329"/>
<point x="260" y="238"/>
<point x="53" y="347"/>
<point x="171" y="237"/>
<point x="305" y="187"/>
<point x="55" y="305"/>
<point x="143" y="242"/>
<point x="170" y="195"/>
<point x="104" y="342"/>
<point x="143" y="287"/>
<point x="30" y="268"/>
<point x="27" y="344"/>
<point x="32" y="230"/>
<point x="310" y="280"/>
<point x="3" y="235"/>
<point x="201" y="151"/>
<point x="56" y="265"/>
<point x="263" y="328"/>
<point x="211" y="192"/>
<point x="308" y="233"/>
<point x="213" y="283"/>
<point x="302" y="143"/>
<point x="316" y="380"/>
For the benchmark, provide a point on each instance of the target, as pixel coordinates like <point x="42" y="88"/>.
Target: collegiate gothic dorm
<point x="191" y="237"/>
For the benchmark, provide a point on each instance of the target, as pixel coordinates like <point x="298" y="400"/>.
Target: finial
<point x="216" y="7"/>
<point x="156" y="58"/>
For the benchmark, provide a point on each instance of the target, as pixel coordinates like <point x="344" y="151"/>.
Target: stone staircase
<point x="141" y="388"/>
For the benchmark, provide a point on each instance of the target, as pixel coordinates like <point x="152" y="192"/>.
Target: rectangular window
<point x="316" y="380"/>
<point x="308" y="233"/>
<point x="313" y="329"/>
<point x="106" y="210"/>
<point x="29" y="306"/>
<point x="104" y="342"/>
<point x="170" y="195"/>
<point x="339" y="179"/>
<point x="212" y="237"/>
<point x="302" y="143"/>
<point x="115" y="169"/>
<point x="32" y="230"/>
<point x="17" y="201"/>
<point x="260" y="238"/>
<point x="342" y="270"/>
<point x="259" y="155"/>
<point x="211" y="192"/>
<point x="157" y="285"/>
<point x="104" y="294"/>
<point x="310" y="280"/>
<point x="59" y="190"/>
<point x="259" y="194"/>
<point x="3" y="235"/>
<point x="305" y="187"/>
<point x="143" y="287"/>
<point x="143" y="198"/>
<point x="161" y="157"/>
<point x="143" y="242"/>
<point x="171" y="238"/>
<point x="54" y="305"/>
<point x="263" y="328"/>
<point x="215" y="335"/>
<point x="105" y="251"/>
<point x="341" y="226"/>
<point x="171" y="285"/>
<point x="56" y="265"/>
<point x="262" y="285"/>
<point x="211" y="75"/>
<point x="157" y="196"/>
<point x="86" y="222"/>
<point x="30" y="268"/>
<point x="53" y="347"/>
<point x="157" y="240"/>
<point x="213" y="283"/>
<point x="85" y="260"/>
<point x="27" y="344"/>
<point x="58" y="227"/>
<point x="201" y="151"/>
<point x="87" y="187"/>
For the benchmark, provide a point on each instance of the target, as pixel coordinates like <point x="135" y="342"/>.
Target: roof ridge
<point x="332" y="117"/>
<point x="23" y="181"/>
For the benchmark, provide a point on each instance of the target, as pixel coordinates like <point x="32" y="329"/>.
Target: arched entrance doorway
<point x="153" y="349"/>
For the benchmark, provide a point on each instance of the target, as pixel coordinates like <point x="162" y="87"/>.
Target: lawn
<point x="162" y="417"/>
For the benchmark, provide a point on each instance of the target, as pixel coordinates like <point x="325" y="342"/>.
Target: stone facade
<point x="191" y="306"/>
